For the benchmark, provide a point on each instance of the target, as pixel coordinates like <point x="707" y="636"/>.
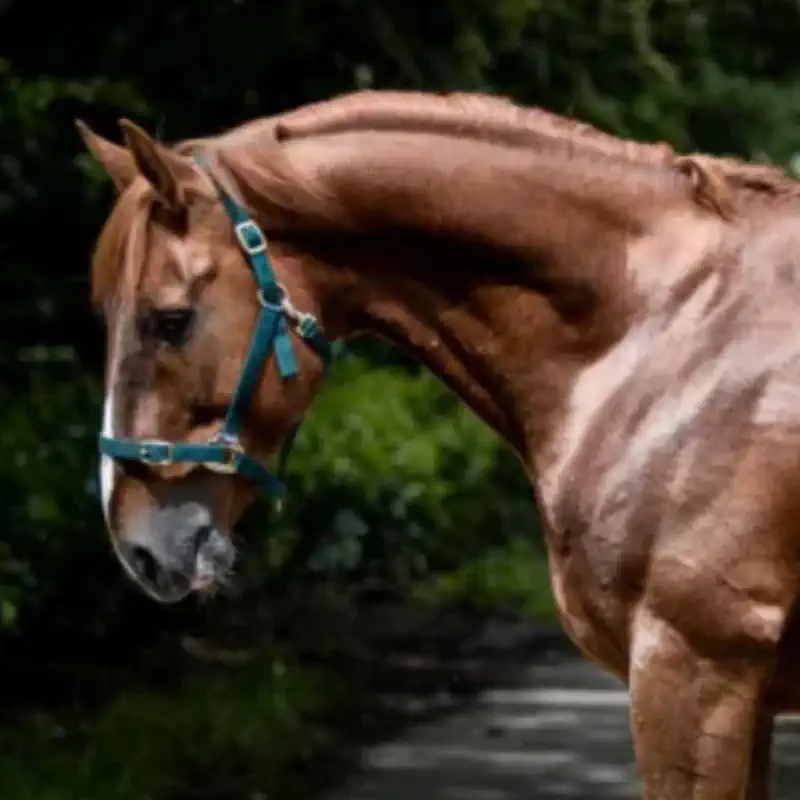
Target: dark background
<point x="412" y="501"/>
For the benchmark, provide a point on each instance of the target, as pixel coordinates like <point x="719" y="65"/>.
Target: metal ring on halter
<point x="299" y="318"/>
<point x="233" y="450"/>
<point x="279" y="306"/>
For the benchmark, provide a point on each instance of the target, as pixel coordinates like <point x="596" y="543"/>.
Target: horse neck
<point x="501" y="269"/>
<point x="491" y="341"/>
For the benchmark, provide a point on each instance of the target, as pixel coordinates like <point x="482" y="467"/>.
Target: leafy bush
<point x="393" y="474"/>
<point x="52" y="548"/>
<point x="512" y="580"/>
<point x="236" y="731"/>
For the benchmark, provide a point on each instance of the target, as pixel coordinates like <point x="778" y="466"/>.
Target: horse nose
<point x="175" y="549"/>
<point x="170" y="560"/>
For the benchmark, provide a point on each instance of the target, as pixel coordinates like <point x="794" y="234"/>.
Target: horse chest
<point x="626" y="437"/>
<point x="642" y="452"/>
<point x="594" y="620"/>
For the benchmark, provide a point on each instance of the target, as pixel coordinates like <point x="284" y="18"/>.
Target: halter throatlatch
<point x="272" y="336"/>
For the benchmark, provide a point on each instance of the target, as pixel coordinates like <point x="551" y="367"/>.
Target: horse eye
<point x="171" y="325"/>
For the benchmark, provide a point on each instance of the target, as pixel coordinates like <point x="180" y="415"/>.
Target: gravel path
<point x="561" y="733"/>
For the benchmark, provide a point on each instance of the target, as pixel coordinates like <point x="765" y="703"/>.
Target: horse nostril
<point x="170" y="580"/>
<point x="202" y="537"/>
<point x="145" y="565"/>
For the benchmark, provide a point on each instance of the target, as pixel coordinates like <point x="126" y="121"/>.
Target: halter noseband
<point x="224" y="453"/>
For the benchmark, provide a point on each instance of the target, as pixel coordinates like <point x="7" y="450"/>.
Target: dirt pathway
<point x="560" y="733"/>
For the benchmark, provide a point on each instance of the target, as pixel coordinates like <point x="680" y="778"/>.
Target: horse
<point x="622" y="315"/>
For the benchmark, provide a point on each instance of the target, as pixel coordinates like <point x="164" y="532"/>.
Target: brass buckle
<point x="156" y="462"/>
<point x="251" y="249"/>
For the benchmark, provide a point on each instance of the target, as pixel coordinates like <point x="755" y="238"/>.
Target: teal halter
<point x="224" y="453"/>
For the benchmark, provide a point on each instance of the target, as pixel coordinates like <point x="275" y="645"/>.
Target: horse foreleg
<point x="694" y="718"/>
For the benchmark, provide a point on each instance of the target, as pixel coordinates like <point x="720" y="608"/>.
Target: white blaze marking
<point x="108" y="468"/>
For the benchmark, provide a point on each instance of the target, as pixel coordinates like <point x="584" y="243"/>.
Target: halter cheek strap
<point x="272" y="335"/>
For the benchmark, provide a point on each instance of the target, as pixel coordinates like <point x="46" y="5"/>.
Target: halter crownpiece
<point x="224" y="453"/>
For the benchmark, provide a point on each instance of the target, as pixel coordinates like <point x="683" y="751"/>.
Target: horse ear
<point x="115" y="159"/>
<point x="167" y="171"/>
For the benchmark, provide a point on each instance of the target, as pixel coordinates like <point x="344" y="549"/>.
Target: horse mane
<point x="469" y="114"/>
<point x="717" y="183"/>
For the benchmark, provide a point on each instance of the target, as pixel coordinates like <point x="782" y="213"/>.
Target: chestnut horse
<point x="628" y="320"/>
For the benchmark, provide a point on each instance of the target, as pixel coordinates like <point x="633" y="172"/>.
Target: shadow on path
<point x="534" y="720"/>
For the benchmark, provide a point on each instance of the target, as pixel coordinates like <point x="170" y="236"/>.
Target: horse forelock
<point x="119" y="253"/>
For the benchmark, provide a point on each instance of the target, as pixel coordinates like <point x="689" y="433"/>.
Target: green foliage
<point x="229" y="734"/>
<point x="511" y="580"/>
<point x="50" y="517"/>
<point x="393" y="473"/>
<point x="707" y="75"/>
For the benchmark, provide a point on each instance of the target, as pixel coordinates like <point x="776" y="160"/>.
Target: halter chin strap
<point x="224" y="453"/>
